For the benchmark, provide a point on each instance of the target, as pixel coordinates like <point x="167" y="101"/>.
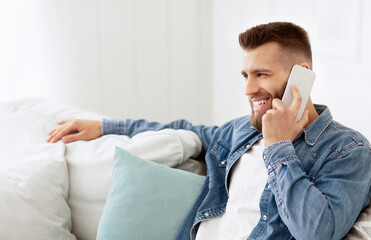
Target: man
<point x="269" y="176"/>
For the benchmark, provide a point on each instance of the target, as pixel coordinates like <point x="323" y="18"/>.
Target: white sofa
<point x="58" y="191"/>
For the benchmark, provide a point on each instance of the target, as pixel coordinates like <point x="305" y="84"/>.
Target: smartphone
<point x="303" y="78"/>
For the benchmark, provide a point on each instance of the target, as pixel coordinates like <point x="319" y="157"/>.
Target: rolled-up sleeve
<point x="110" y="126"/>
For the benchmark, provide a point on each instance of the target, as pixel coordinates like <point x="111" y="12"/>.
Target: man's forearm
<point x="325" y="205"/>
<point x="132" y="127"/>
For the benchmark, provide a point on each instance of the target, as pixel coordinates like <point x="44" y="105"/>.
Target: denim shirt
<point x="317" y="184"/>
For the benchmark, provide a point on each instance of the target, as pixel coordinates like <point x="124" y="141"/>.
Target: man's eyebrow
<point x="261" y="70"/>
<point x="266" y="70"/>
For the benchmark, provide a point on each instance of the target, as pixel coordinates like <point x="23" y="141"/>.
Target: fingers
<point x="53" y="131"/>
<point x="278" y="104"/>
<point x="297" y="98"/>
<point x="65" y="131"/>
<point x="292" y="110"/>
<point x="60" y="132"/>
<point x="73" y="137"/>
<point x="59" y="123"/>
<point x="54" y="135"/>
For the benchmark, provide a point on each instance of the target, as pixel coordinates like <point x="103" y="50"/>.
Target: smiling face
<point x="266" y="70"/>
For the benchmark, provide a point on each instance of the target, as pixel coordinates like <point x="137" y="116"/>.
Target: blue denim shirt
<point x="317" y="185"/>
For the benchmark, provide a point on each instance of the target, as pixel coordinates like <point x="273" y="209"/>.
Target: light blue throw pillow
<point x="146" y="200"/>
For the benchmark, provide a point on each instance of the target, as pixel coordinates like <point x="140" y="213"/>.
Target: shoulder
<point x="345" y="138"/>
<point x="340" y="142"/>
<point x="326" y="133"/>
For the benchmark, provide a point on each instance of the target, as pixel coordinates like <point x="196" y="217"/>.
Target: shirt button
<point x="264" y="156"/>
<point x="223" y="163"/>
<point x="247" y="146"/>
<point x="206" y="214"/>
<point x="269" y="186"/>
<point x="264" y="217"/>
<point x="269" y="167"/>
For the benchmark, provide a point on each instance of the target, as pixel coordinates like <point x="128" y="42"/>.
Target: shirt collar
<point x="318" y="126"/>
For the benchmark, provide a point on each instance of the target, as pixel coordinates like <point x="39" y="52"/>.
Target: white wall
<point x="169" y="59"/>
<point x="121" y="58"/>
<point x="340" y="32"/>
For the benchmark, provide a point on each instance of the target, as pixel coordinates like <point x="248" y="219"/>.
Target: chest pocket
<point x="221" y="151"/>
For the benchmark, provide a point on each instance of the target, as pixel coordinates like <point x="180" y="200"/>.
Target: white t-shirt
<point x="247" y="183"/>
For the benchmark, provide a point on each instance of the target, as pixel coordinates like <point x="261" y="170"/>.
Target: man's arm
<point x="324" y="207"/>
<point x="74" y="130"/>
<point x="132" y="127"/>
<point x="320" y="208"/>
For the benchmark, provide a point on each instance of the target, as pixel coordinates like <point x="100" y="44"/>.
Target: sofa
<point x="59" y="191"/>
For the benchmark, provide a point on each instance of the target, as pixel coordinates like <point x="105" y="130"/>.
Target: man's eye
<point x="261" y="74"/>
<point x="244" y="76"/>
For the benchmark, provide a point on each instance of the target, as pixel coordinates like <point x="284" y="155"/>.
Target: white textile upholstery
<point x="38" y="177"/>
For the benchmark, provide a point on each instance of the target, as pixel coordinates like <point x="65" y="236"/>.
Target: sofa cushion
<point x="361" y="229"/>
<point x="146" y="200"/>
<point x="33" y="178"/>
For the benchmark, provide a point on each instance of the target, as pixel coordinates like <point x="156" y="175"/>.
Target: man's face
<point x="266" y="72"/>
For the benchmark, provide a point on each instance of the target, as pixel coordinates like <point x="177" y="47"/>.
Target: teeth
<point x="258" y="103"/>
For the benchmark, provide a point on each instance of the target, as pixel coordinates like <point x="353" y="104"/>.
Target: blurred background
<point x="169" y="59"/>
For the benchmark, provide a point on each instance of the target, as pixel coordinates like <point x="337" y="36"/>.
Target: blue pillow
<point x="146" y="200"/>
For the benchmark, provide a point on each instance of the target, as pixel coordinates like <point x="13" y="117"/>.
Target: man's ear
<point x="305" y="65"/>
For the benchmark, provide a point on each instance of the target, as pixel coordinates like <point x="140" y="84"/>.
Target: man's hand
<point x="279" y="123"/>
<point x="74" y="130"/>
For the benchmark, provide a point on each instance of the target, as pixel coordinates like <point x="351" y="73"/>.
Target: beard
<point x="256" y="118"/>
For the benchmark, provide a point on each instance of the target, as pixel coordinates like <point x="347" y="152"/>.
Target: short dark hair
<point x="288" y="35"/>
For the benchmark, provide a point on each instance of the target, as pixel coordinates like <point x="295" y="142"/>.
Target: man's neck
<point x="312" y="112"/>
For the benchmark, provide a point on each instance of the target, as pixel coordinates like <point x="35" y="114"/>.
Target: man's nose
<point x="251" y="86"/>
